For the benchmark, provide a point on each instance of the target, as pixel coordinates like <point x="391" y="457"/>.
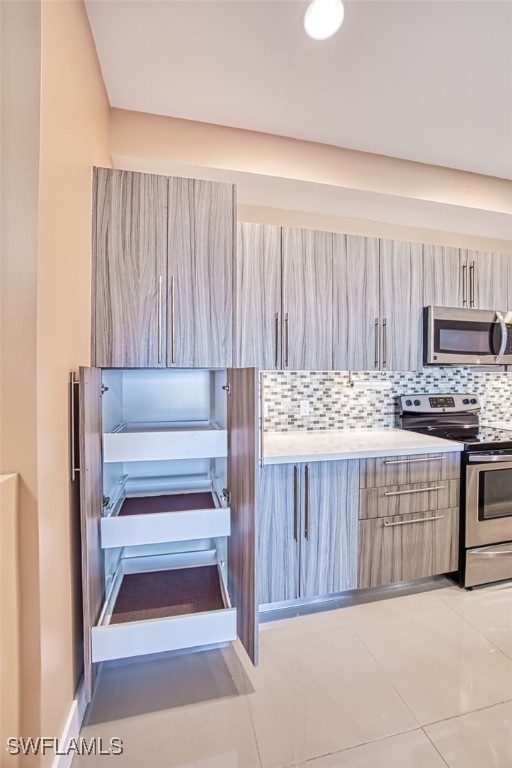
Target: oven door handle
<point x="489" y="459"/>
<point x="504" y="335"/>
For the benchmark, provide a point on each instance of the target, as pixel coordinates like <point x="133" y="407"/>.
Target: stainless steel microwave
<point x="454" y="336"/>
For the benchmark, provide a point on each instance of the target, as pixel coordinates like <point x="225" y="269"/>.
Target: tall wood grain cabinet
<point x="163" y="252"/>
<point x="307" y="529"/>
<point x="168" y="469"/>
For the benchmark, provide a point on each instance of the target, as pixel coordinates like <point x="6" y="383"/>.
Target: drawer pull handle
<point x="411" y="461"/>
<point x="410" y="522"/>
<point x="415" y="490"/>
<point x="495" y="554"/>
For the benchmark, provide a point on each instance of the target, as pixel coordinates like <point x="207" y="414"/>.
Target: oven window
<point x="495" y="494"/>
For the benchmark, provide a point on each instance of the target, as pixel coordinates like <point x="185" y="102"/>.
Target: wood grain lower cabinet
<point x="407" y="547"/>
<point x="307" y="537"/>
<point x="409" y="518"/>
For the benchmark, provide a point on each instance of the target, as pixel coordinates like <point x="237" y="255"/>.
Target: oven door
<point x="488" y="499"/>
<point x="467" y="337"/>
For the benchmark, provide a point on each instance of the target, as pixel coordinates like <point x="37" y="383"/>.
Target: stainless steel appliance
<point x="486" y="480"/>
<point x="455" y="336"/>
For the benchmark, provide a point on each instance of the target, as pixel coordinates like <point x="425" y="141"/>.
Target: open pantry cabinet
<point x="168" y="493"/>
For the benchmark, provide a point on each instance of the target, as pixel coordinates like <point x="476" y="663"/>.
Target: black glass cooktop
<point x="475" y="438"/>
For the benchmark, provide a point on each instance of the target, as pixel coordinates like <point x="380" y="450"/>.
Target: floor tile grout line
<point x="466" y="714"/>
<point x="461" y="616"/>
<point x="435" y="747"/>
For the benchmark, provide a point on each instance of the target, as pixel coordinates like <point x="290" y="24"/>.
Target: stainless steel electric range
<point x="486" y="480"/>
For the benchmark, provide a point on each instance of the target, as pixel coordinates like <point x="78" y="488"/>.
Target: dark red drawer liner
<point x="158" y="594"/>
<point x="175" y="502"/>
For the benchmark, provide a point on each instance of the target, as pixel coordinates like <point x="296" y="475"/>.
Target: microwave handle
<point x="504" y="334"/>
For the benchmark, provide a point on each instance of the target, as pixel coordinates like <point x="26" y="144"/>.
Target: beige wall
<point x="55" y="128"/>
<point x="21" y="71"/>
<point x="74" y="137"/>
<point x="300" y="183"/>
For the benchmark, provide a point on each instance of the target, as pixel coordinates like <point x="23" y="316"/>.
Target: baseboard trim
<point x="72" y="726"/>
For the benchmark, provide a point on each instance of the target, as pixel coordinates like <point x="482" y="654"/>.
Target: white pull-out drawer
<point x="169" y="517"/>
<point x="164" y="603"/>
<point x="160" y="441"/>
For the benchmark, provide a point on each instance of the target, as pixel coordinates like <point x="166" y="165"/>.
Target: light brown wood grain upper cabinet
<point x="356" y="303"/>
<point x="129" y="270"/>
<point x="307" y="308"/>
<point x="162" y="271"/>
<point x="488" y="280"/>
<point x="200" y="273"/>
<point x="258" y="316"/>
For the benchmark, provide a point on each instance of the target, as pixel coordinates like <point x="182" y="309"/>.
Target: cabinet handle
<point x="277" y="339"/>
<point x="412" y="461"/>
<point x="411" y="522"/>
<point x="495" y="554"/>
<point x="72" y="384"/>
<point x="306" y="502"/>
<point x="296" y="503"/>
<point x="415" y="490"/>
<point x="159" y="312"/>
<point x="384" y="342"/>
<point x="287" y="340"/>
<point x="465" y="285"/>
<point x="173" y="316"/>
<point x="472" y="284"/>
<point x="377" y="351"/>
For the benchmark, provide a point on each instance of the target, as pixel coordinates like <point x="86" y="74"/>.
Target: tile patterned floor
<point x="416" y="681"/>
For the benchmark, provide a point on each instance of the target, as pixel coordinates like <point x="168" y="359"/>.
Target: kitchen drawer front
<point x="389" y="500"/>
<point x="165" y="526"/>
<point x="400" y="470"/>
<point x="408" y="547"/>
<point x="201" y="626"/>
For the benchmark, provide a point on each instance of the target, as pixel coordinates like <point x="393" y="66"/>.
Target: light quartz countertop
<point x="336" y="444"/>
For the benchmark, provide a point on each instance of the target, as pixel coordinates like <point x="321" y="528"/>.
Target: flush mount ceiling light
<point x="323" y="18"/>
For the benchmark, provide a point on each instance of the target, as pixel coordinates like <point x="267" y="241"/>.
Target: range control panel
<point x="439" y="403"/>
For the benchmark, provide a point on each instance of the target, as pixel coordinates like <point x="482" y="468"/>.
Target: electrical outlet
<point x="304" y="407"/>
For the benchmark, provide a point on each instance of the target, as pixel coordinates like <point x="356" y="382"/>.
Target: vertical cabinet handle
<point x="276" y="340"/>
<point x="377" y="350"/>
<point x="296" y="503"/>
<point x="384" y="342"/>
<point x="306" y="502"/>
<point x="72" y="404"/>
<point x="173" y="317"/>
<point x="286" y="341"/>
<point x="159" y="313"/>
<point x="465" y="285"/>
<point x="472" y="284"/>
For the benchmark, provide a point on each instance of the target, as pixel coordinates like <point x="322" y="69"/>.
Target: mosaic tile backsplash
<point x="334" y="404"/>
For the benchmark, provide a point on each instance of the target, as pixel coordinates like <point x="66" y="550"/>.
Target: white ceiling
<point x="424" y="80"/>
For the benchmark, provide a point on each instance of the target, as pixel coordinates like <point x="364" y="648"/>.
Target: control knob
<point x="408" y="402"/>
<point x="417" y="402"/>
<point x="473" y="401"/>
<point x="466" y="401"/>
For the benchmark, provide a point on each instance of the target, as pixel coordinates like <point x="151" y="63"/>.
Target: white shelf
<point x="160" y="441"/>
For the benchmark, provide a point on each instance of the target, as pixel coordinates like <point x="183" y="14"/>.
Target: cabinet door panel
<point x="129" y="269"/>
<point x="488" y="280"/>
<point x="307" y="300"/>
<point x="277" y="524"/>
<point x="356" y="302"/>
<point x="329" y="545"/>
<point x="401" y="298"/>
<point x="200" y="270"/>
<point x="390" y="551"/>
<point x="258" y="296"/>
<point x="91" y="496"/>
<point x="242" y="474"/>
<point x="444" y="277"/>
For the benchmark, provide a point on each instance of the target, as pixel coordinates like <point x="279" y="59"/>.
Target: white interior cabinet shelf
<point x="164" y="603"/>
<point x="162" y="555"/>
